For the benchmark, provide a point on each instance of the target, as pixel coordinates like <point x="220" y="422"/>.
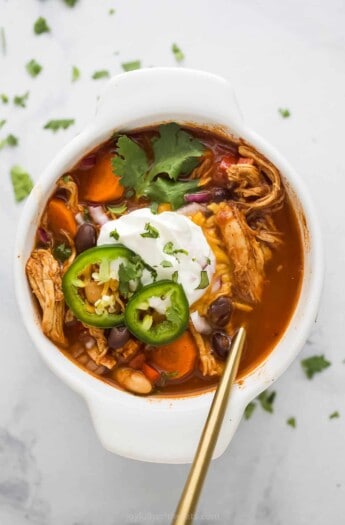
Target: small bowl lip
<point x="93" y="388"/>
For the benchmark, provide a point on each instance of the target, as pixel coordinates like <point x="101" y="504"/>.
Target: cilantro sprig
<point x="55" y="125"/>
<point x="175" y="153"/>
<point x="21" y="182"/>
<point x="314" y="365"/>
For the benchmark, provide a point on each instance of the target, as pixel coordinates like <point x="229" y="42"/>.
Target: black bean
<point x="220" y="194"/>
<point x="86" y="237"/>
<point x="118" y="336"/>
<point x="219" y="312"/>
<point x="221" y="343"/>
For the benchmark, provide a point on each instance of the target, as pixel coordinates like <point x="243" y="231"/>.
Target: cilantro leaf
<point x="33" y="68"/>
<point x="118" y="210"/>
<point x="172" y="315"/>
<point x="115" y="235"/>
<point x="172" y="150"/>
<point x="22" y="183"/>
<point x="62" y="252"/>
<point x="313" y="365"/>
<point x="291" y="421"/>
<point x="130" y="164"/>
<point x="284" y="112"/>
<point x="174" y="276"/>
<point x="334" y="415"/>
<point x="131" y="272"/>
<point x="169" y="249"/>
<point x="21" y="100"/>
<point x="131" y="66"/>
<point x="179" y="55"/>
<point x="70" y="3"/>
<point x="266" y="400"/>
<point x="150" y="232"/>
<point x="204" y="282"/>
<point x="10" y="140"/>
<point x="248" y="411"/>
<point x="166" y="264"/>
<point x="102" y="73"/>
<point x="4" y="98"/>
<point x="154" y="207"/>
<point x="55" y="125"/>
<point x="162" y="190"/>
<point x="41" y="26"/>
<point x="2" y="123"/>
<point x="75" y="73"/>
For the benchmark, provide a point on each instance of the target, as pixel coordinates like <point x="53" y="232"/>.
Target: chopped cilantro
<point x="131" y="66"/>
<point x="75" y="73"/>
<point x="204" y="282"/>
<point x="166" y="264"/>
<point x="2" y="123"/>
<point x="266" y="400"/>
<point x="115" y="235"/>
<point x="22" y="183"/>
<point x="3" y="41"/>
<point x="313" y="365"/>
<point x="169" y="249"/>
<point x="70" y="3"/>
<point x="10" y="140"/>
<point x="179" y="55"/>
<point x="4" y="98"/>
<point x="33" y="68"/>
<point x="291" y="421"/>
<point x="174" y="277"/>
<point x="41" y="26"/>
<point x="248" y="411"/>
<point x="173" y="315"/>
<point x="102" y="73"/>
<point x="55" y="125"/>
<point x="132" y="271"/>
<point x="21" y="100"/>
<point x="154" y="208"/>
<point x="150" y="231"/>
<point x="334" y="415"/>
<point x="284" y="112"/>
<point x="62" y="252"/>
<point x="118" y="210"/>
<point x="111" y="11"/>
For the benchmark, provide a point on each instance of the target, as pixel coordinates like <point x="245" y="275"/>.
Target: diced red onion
<point x="79" y="218"/>
<point x="88" y="162"/>
<point x="191" y="209"/>
<point x="200" y="323"/>
<point x="43" y="235"/>
<point x="201" y="196"/>
<point x="216" y="285"/>
<point x="89" y="342"/>
<point x="98" y="214"/>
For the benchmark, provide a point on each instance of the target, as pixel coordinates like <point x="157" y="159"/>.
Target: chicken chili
<point x="155" y="247"/>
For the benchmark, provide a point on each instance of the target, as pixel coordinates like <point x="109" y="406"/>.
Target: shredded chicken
<point x="68" y="184"/>
<point x="204" y="171"/>
<point x="245" y="251"/>
<point x="259" y="183"/>
<point x="209" y="365"/>
<point x="128" y="350"/>
<point x="44" y="275"/>
<point x="84" y="359"/>
<point x="98" y="353"/>
<point x="71" y="243"/>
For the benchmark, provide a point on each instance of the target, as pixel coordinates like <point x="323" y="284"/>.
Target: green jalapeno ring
<point x="72" y="297"/>
<point x="177" y="314"/>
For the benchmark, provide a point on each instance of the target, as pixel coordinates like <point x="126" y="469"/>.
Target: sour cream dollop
<point x="170" y="243"/>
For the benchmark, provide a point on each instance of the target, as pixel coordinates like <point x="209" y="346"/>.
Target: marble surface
<point x="53" y="470"/>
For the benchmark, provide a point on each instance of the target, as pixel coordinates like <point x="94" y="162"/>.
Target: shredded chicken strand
<point x="128" y="350"/>
<point x="209" y="364"/>
<point x="84" y="359"/>
<point x="44" y="275"/>
<point x="204" y="171"/>
<point x="68" y="184"/>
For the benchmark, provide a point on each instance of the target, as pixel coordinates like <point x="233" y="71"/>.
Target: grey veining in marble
<point x="53" y="470"/>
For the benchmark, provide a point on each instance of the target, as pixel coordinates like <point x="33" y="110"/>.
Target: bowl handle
<point x="145" y="96"/>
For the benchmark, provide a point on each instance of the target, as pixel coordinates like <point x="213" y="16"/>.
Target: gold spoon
<point x="191" y="492"/>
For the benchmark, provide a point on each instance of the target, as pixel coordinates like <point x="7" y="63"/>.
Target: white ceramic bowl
<point x="167" y="429"/>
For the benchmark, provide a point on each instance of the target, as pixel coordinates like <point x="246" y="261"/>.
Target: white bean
<point x="133" y="380"/>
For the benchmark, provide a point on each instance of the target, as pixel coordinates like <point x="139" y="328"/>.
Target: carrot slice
<point x="151" y="373"/>
<point x="99" y="184"/>
<point x="60" y="218"/>
<point x="177" y="357"/>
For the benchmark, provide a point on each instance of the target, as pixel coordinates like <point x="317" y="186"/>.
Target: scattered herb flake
<point x="174" y="277"/>
<point x="131" y="272"/>
<point x="4" y="98"/>
<point x="118" y="210"/>
<point x="166" y="264"/>
<point x="111" y="11"/>
<point x="131" y="66"/>
<point x="21" y="182"/>
<point x="115" y="235"/>
<point x="179" y="55"/>
<point x="334" y="415"/>
<point x="248" y="411"/>
<point x="33" y="68"/>
<point x="204" y="282"/>
<point x="291" y="421"/>
<point x="266" y="400"/>
<point x="313" y="365"/>
<point x="150" y="231"/>
<point x="62" y="252"/>
<point x="55" y="125"/>
<point x="3" y="41"/>
<point x="284" y="112"/>
<point x="154" y="208"/>
<point x="70" y="3"/>
<point x="41" y="26"/>
<point x="11" y="140"/>
<point x="2" y="123"/>
<point x="75" y="73"/>
<point x="102" y="73"/>
<point x="21" y="100"/>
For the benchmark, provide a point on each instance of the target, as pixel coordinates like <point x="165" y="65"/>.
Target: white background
<point x="53" y="470"/>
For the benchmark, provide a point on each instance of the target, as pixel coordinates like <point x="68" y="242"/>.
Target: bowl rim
<point x="82" y="381"/>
